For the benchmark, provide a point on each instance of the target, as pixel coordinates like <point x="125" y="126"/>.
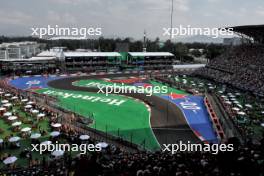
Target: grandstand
<point x="242" y="66"/>
<point x="91" y="61"/>
<point x="73" y="61"/>
<point x="254" y="32"/>
<point x="34" y="65"/>
<point x="150" y="60"/>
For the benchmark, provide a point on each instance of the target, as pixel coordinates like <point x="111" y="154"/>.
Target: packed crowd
<point x="241" y="66"/>
<point x="246" y="160"/>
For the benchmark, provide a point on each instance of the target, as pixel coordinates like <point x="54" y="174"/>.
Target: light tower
<point x="144" y="42"/>
<point x="171" y="22"/>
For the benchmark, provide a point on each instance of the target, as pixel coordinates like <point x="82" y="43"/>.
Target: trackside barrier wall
<point x="216" y="124"/>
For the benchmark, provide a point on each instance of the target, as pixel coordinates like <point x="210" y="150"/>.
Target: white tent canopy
<point x="241" y="113"/>
<point x="14" y="98"/>
<point x="7" y="114"/>
<point x="16" y="124"/>
<point x="24" y="100"/>
<point x="26" y="129"/>
<point x="46" y="143"/>
<point x="35" y="136"/>
<point x="14" y="139"/>
<point x="11" y="118"/>
<point x="34" y="111"/>
<point x="7" y="105"/>
<point x="4" y="101"/>
<point x="56" y="125"/>
<point x="10" y="160"/>
<point x="102" y="144"/>
<point x="84" y="137"/>
<point x="41" y="115"/>
<point x="57" y="153"/>
<point x="55" y="133"/>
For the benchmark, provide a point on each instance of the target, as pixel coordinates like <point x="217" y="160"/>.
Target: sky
<point x="126" y="18"/>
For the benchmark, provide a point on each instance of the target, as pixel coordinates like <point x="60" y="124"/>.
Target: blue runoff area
<point x="34" y="82"/>
<point x="196" y="115"/>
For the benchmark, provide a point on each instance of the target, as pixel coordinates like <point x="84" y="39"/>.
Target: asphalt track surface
<point x="167" y="121"/>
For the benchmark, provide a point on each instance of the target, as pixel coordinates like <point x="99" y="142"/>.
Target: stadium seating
<point x="241" y="67"/>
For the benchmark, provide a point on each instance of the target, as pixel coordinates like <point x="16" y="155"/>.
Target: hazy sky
<point x="126" y="17"/>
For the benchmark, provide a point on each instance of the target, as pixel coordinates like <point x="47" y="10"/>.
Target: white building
<point x="19" y="50"/>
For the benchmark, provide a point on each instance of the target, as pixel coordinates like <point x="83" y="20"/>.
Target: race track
<point x="167" y="120"/>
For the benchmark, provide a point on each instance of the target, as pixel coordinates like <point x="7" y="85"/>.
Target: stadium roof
<point x="146" y="54"/>
<point x="30" y="59"/>
<point x="188" y="66"/>
<point x="67" y="38"/>
<point x="92" y="54"/>
<point x="16" y="44"/>
<point x="254" y="31"/>
<point x="48" y="54"/>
